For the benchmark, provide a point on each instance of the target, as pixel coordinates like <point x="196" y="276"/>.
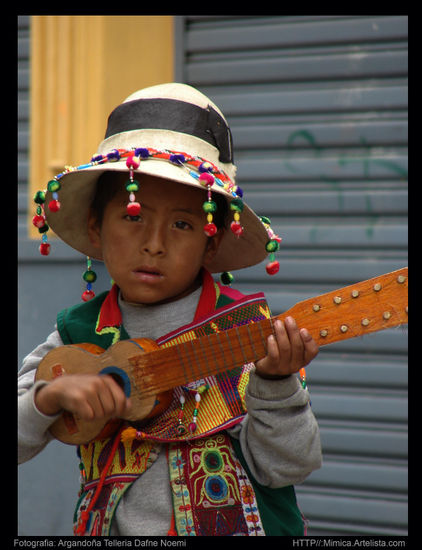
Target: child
<point x="224" y="454"/>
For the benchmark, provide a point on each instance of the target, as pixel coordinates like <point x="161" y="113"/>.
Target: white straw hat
<point x="172" y="131"/>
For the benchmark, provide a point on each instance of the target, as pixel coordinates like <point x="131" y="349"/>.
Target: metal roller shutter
<point x="318" y="111"/>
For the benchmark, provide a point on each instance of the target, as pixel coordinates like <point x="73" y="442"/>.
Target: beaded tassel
<point x="90" y="277"/>
<point x="181" y="428"/>
<point x="53" y="186"/>
<point x="40" y="222"/>
<point x="236" y="206"/>
<point x="271" y="247"/>
<point x="192" y="426"/>
<point x="209" y="206"/>
<point x="133" y="208"/>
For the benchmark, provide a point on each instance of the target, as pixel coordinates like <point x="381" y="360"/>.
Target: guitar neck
<point x="359" y="309"/>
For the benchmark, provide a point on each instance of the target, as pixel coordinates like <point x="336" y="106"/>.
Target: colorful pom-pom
<point x="133" y="162"/>
<point x="113" y="156"/>
<point x="209" y="206"/>
<point x="53" y="186"/>
<point x="39" y="197"/>
<point x="272" y="267"/>
<point x="236" y="228"/>
<point x="38" y="221"/>
<point x="142" y="152"/>
<point x="45" y="249"/>
<point x="128" y="435"/>
<point x="89" y="276"/>
<point x="205" y="167"/>
<point x="132" y="186"/>
<point x="226" y="278"/>
<point x="54" y="205"/>
<point x="177" y="158"/>
<point x="87" y="295"/>
<point x="133" y="209"/>
<point x="236" y="205"/>
<point x="272" y="246"/>
<point x="210" y="229"/>
<point x="206" y="179"/>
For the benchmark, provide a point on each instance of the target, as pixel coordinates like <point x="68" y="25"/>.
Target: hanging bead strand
<point x="209" y="207"/>
<point x="90" y="277"/>
<point x="132" y="186"/>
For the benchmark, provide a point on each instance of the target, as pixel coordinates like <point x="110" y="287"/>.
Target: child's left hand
<point x="289" y="351"/>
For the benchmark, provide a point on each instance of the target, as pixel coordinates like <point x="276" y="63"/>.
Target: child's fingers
<point x="118" y="404"/>
<point x="296" y="342"/>
<point x="311" y="347"/>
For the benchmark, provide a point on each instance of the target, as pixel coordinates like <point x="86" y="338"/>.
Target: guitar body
<point x="91" y="359"/>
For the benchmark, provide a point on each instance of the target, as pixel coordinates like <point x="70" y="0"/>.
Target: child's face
<point x="155" y="257"/>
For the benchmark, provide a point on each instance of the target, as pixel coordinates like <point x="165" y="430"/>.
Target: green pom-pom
<point x="53" y="186"/>
<point x="265" y="220"/>
<point x="226" y="278"/>
<point x="89" y="276"/>
<point x="272" y="246"/>
<point x="209" y="206"/>
<point x="44" y="228"/>
<point x="236" y="205"/>
<point x="39" y="197"/>
<point x="132" y="186"/>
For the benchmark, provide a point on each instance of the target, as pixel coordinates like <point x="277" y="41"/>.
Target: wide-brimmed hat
<point x="172" y="131"/>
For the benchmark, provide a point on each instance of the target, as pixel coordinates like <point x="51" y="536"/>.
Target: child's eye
<point x="182" y="225"/>
<point x="133" y="218"/>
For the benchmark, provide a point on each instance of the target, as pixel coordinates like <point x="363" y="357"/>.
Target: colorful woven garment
<point x="222" y="406"/>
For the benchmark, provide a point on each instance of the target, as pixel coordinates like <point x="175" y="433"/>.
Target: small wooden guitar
<point x="145" y="371"/>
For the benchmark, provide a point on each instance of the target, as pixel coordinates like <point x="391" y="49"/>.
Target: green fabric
<point x="76" y="324"/>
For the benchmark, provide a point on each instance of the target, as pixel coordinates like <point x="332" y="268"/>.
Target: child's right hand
<point x="89" y="396"/>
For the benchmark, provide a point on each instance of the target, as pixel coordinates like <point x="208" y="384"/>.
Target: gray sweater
<point x="279" y="436"/>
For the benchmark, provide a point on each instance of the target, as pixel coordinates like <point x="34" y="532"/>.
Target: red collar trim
<point x="111" y="316"/>
<point x="208" y="298"/>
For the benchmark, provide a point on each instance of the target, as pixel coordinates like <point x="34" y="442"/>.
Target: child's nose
<point x="154" y="242"/>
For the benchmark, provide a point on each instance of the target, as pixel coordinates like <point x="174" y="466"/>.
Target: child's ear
<point x="94" y="230"/>
<point x="212" y="245"/>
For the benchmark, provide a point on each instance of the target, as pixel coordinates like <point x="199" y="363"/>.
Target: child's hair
<point x="108" y="186"/>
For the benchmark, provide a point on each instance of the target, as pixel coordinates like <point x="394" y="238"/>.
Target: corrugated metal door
<point x="318" y="110"/>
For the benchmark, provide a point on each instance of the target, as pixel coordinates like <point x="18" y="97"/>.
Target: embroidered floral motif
<point x="208" y="496"/>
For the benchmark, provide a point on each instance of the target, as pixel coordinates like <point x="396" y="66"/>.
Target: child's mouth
<point x="147" y="275"/>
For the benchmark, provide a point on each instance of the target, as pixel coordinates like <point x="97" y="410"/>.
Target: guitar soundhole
<point x="120" y="377"/>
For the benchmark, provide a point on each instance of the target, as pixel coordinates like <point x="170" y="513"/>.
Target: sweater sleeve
<point x="279" y="436"/>
<point x="33" y="425"/>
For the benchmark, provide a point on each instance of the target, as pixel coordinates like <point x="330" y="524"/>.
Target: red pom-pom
<point x="87" y="295"/>
<point x="236" y="228"/>
<point x="272" y="267"/>
<point x="38" y="221"/>
<point x="210" y="229"/>
<point x="45" y="249"/>
<point x="133" y="209"/>
<point x="54" y="206"/>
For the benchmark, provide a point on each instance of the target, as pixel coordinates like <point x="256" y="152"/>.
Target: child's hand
<point x="91" y="397"/>
<point x="287" y="352"/>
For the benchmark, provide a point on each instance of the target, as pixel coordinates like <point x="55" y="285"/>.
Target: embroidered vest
<point x="213" y="491"/>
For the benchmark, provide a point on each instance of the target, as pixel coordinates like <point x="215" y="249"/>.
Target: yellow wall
<point x="81" y="68"/>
